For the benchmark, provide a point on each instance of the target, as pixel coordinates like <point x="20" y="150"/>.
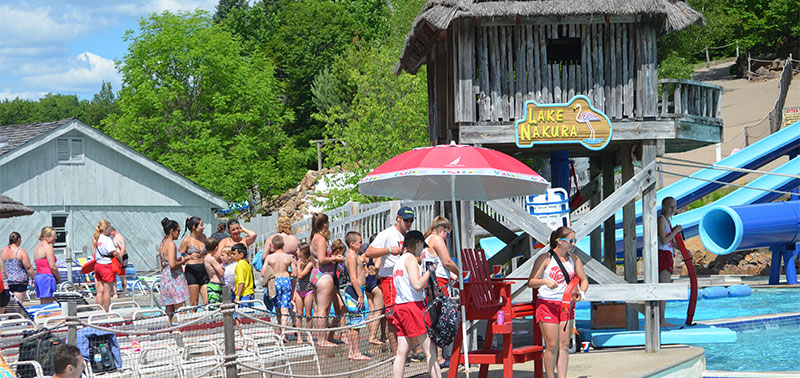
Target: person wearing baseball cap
<point x="386" y="248"/>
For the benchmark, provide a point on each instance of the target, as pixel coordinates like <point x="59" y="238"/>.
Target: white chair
<point x="36" y="366"/>
<point x="105" y="318"/>
<point x="301" y="353"/>
<point x="159" y="362"/>
<point x="11" y="316"/>
<point x="122" y="305"/>
<point x="202" y="358"/>
<point x="271" y="352"/>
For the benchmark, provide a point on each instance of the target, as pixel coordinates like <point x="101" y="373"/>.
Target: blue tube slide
<point x="725" y="229"/>
<point x="687" y="190"/>
<point x="690" y="220"/>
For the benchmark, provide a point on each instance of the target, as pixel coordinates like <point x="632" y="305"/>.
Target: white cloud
<point x="181" y="5"/>
<point x="7" y="94"/>
<point x="27" y="27"/>
<point x="83" y="73"/>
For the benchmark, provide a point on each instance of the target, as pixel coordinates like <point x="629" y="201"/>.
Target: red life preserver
<point x="566" y="300"/>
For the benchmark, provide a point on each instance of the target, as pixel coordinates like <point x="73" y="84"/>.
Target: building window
<point x="59" y="222"/>
<point x="69" y="150"/>
<point x="564" y="51"/>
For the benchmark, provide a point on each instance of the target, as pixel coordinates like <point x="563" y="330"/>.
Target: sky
<point x="69" y="46"/>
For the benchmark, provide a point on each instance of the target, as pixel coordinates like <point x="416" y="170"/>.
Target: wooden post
<point x="594" y="237"/>
<point x="609" y="226"/>
<point x="746" y="137"/>
<point x="708" y="59"/>
<point x="230" y="335"/>
<point x="749" y="77"/>
<point x="72" y="328"/>
<point x="737" y="49"/>
<point x="652" y="315"/>
<point x="629" y="232"/>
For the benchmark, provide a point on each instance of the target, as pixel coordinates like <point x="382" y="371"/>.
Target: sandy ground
<point x="743" y="103"/>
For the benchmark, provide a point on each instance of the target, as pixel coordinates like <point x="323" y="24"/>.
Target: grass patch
<point x="711" y="197"/>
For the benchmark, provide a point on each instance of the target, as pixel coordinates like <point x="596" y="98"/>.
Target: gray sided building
<point x="73" y="176"/>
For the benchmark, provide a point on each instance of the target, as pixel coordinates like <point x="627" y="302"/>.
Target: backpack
<point x="100" y="353"/>
<point x="37" y="345"/>
<point x="445" y="317"/>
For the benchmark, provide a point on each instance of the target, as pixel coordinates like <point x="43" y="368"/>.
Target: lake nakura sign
<point x="574" y="122"/>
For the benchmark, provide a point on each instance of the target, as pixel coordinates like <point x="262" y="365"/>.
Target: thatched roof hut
<point x="437" y="15"/>
<point x="10" y="208"/>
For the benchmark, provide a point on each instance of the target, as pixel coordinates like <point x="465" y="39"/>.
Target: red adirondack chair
<point x="483" y="297"/>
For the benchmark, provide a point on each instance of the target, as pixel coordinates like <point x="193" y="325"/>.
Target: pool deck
<point x="672" y="360"/>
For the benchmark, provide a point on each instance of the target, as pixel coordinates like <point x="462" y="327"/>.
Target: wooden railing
<point x="690" y="99"/>
<point x="370" y="219"/>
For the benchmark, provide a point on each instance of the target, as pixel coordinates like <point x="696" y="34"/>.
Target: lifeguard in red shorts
<point x="666" y="237"/>
<point x="551" y="274"/>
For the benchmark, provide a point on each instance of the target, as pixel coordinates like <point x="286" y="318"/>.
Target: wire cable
<point x="729" y="183"/>
<point x="692" y="164"/>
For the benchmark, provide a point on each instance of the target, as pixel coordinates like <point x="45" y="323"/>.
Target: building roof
<point x="437" y="15"/>
<point x="21" y="134"/>
<point x="10" y="208"/>
<point x="26" y="137"/>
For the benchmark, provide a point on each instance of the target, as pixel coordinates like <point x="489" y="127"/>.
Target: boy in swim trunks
<point x="355" y="293"/>
<point x="281" y="263"/>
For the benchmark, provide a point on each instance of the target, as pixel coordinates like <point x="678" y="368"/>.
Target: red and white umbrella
<point x="428" y="173"/>
<point x="453" y="172"/>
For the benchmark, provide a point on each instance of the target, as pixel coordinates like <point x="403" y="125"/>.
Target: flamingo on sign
<point x="587" y="118"/>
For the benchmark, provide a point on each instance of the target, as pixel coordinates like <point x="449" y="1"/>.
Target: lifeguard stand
<point x="487" y="60"/>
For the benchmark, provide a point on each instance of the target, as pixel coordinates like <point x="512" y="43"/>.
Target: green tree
<point x="195" y="102"/>
<point x="17" y="111"/>
<point x="101" y="106"/>
<point x="224" y="7"/>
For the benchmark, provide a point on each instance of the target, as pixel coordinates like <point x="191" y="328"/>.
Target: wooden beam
<point x="494" y="227"/>
<point x="623" y="292"/>
<point x="650" y="252"/>
<point x="627" y="192"/>
<point x="609" y="225"/>
<point x="629" y="232"/>
<point x="587" y="191"/>
<point x="504" y="132"/>
<point x="595" y="246"/>
<point x="519" y="246"/>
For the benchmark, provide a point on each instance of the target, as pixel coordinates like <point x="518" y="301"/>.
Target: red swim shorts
<point x="665" y="261"/>
<point x="408" y="318"/>
<point x="387" y="287"/>
<point x="104" y="273"/>
<point x="550" y="312"/>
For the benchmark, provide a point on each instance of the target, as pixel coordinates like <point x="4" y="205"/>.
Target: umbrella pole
<point x="460" y="273"/>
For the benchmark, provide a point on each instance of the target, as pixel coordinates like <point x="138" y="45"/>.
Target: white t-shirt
<point x="230" y="274"/>
<point x="404" y="292"/>
<point x="553" y="272"/>
<point x="441" y="271"/>
<point x="390" y="237"/>
<point x="105" y="246"/>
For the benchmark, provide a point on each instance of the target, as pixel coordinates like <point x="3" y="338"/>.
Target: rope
<point x="290" y="328"/>
<point x="728" y="183"/>
<point x="718" y="47"/>
<point x="693" y="164"/>
<point x="384" y="362"/>
<point x="157" y="331"/>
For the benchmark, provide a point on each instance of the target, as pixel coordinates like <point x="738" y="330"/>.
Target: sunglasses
<point x="571" y="241"/>
<point x="409" y="221"/>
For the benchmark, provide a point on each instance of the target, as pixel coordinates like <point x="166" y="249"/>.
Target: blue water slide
<point x="688" y="190"/>
<point x="690" y="220"/>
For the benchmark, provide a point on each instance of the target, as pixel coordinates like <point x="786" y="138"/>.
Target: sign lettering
<point x="574" y="122"/>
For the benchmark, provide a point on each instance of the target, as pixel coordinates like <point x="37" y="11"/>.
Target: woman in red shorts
<point x="409" y="309"/>
<point x="548" y="276"/>
<point x="666" y="252"/>
<point x="104" y="251"/>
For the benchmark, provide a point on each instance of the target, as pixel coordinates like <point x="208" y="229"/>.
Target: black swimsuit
<point x="196" y="274"/>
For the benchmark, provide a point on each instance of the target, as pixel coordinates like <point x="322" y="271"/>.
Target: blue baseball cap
<point x="405" y="212"/>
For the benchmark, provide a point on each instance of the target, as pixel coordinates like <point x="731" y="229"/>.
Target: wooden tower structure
<point x="486" y="59"/>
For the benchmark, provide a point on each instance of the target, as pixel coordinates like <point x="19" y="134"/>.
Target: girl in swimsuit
<point x="194" y="248"/>
<point x="324" y="290"/>
<point x="47" y="277"/>
<point x="18" y="266"/>
<point x="303" y="299"/>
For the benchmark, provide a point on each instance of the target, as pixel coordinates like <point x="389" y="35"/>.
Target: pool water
<point x="768" y="347"/>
